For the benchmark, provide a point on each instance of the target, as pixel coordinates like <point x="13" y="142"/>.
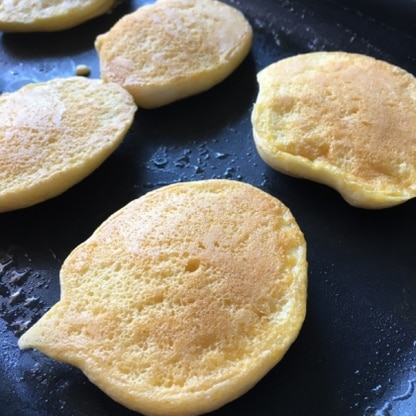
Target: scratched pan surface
<point x="356" y="354"/>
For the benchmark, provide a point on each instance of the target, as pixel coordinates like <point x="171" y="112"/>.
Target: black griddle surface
<point x="356" y="353"/>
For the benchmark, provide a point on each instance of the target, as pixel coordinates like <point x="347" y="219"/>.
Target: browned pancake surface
<point x="173" y="49"/>
<point x="56" y="133"/>
<point x="50" y="15"/>
<point x="346" y="120"/>
<point x="183" y="299"/>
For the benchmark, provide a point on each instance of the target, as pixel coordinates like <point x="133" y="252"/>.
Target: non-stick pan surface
<point x="356" y="353"/>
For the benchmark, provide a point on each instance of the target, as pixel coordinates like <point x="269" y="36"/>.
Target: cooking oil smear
<point x="20" y="288"/>
<point x="25" y="73"/>
<point x="397" y="397"/>
<point x="399" y="405"/>
<point x="200" y="161"/>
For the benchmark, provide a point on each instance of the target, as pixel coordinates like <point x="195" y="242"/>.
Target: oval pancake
<point x="183" y="299"/>
<point x="173" y="49"/>
<point x="56" y="133"/>
<point x="51" y="15"/>
<point x="346" y="120"/>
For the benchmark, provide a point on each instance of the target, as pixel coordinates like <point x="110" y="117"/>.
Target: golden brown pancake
<point x="342" y="119"/>
<point x="183" y="299"/>
<point x="173" y="49"/>
<point x="51" y="15"/>
<point x="56" y="133"/>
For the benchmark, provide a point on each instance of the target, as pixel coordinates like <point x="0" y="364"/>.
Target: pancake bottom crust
<point x="172" y="49"/>
<point x="50" y="15"/>
<point x="183" y="299"/>
<point x="342" y="119"/>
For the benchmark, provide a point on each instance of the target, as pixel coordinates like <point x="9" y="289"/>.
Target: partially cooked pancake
<point x="173" y="49"/>
<point x="51" y="15"/>
<point x="54" y="134"/>
<point x="183" y="299"/>
<point x="342" y="119"/>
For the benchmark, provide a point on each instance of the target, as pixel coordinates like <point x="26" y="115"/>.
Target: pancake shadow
<point x="202" y="115"/>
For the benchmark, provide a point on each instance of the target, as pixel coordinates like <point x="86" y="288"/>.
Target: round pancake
<point x="342" y="119"/>
<point x="51" y="15"/>
<point x="183" y="299"/>
<point x="56" y="133"/>
<point x="173" y="49"/>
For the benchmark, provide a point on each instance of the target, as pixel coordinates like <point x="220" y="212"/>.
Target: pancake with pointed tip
<point x="56" y="133"/>
<point x="173" y="49"/>
<point x="183" y="299"/>
<point x="346" y="120"/>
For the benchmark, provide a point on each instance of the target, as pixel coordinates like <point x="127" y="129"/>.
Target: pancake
<point x="183" y="299"/>
<point x="51" y="15"/>
<point x="173" y="49"/>
<point x="345" y="120"/>
<point x="56" y="133"/>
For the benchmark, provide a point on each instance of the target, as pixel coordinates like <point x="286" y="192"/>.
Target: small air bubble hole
<point x="192" y="265"/>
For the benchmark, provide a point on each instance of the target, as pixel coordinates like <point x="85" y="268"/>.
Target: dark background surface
<point x="356" y="353"/>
